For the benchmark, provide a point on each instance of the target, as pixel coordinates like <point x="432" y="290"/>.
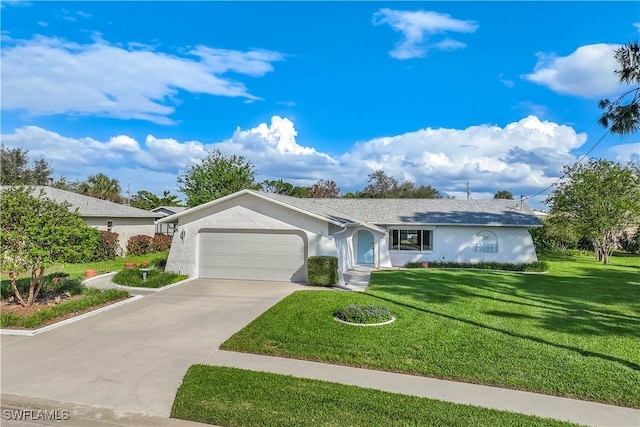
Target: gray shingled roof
<point x="90" y="206"/>
<point x="418" y="211"/>
<point x="164" y="210"/>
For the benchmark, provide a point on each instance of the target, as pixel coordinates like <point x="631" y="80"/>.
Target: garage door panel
<point x="251" y="256"/>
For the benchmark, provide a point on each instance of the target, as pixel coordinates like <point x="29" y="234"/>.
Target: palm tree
<point x="503" y="194"/>
<point x="102" y="187"/>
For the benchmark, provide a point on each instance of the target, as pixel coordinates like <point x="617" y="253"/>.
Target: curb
<point x="135" y="288"/>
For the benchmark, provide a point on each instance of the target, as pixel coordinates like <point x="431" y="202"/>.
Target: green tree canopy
<point x="216" y="176"/>
<point x="147" y="200"/>
<point x="17" y="169"/>
<point x="622" y="116"/>
<point x="286" y="188"/>
<point x="602" y="199"/>
<point x="503" y="194"/>
<point x="324" y="189"/>
<point x="36" y="232"/>
<point x="383" y="186"/>
<point x="102" y="187"/>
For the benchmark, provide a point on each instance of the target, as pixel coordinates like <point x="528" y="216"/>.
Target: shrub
<point x="322" y="270"/>
<point x="139" y="245"/>
<point x="630" y="242"/>
<point x="160" y="243"/>
<point x="538" y="266"/>
<point x="107" y="246"/>
<point x="413" y="264"/>
<point x="155" y="278"/>
<point x="365" y="314"/>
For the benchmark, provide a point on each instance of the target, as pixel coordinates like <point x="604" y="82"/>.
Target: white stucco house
<point x="104" y="215"/>
<point x="167" y="228"/>
<point x="265" y="236"/>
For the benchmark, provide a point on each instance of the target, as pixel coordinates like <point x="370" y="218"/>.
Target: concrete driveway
<point x="133" y="358"/>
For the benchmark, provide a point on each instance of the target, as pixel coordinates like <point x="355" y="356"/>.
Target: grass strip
<point x="236" y="397"/>
<point x="155" y="278"/>
<point x="91" y="299"/>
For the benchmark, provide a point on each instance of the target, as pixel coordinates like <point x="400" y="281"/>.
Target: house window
<point x="109" y="225"/>
<point x="411" y="240"/>
<point x="486" y="242"/>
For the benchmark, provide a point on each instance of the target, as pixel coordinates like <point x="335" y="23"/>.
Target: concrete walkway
<point x="357" y="279"/>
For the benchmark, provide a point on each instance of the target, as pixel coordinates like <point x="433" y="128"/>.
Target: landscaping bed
<point x="135" y="277"/>
<point x="237" y="397"/>
<point x="573" y="332"/>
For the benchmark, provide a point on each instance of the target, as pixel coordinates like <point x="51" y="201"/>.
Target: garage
<point x="254" y="255"/>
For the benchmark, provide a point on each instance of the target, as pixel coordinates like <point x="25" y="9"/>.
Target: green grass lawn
<point x="573" y="332"/>
<point x="235" y="397"/>
<point x="77" y="270"/>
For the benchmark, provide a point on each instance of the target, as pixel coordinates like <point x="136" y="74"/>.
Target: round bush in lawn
<point x="364" y="315"/>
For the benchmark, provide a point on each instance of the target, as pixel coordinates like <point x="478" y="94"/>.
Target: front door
<point x="364" y="254"/>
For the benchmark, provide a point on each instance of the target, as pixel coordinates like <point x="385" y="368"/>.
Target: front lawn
<point x="236" y="397"/>
<point x="155" y="278"/>
<point x="573" y="332"/>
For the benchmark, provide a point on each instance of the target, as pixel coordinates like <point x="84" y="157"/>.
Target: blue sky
<point x="497" y="94"/>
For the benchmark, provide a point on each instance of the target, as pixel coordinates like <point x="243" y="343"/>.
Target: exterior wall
<point x="455" y="244"/>
<point x="244" y="213"/>
<point x="125" y="227"/>
<point x="347" y="247"/>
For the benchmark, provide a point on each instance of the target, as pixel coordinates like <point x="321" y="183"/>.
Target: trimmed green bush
<point x="538" y="266"/>
<point x="363" y="313"/>
<point x="322" y="270"/>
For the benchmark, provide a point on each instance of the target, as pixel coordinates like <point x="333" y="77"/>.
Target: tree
<point x="503" y="194"/>
<point x="102" y="187"/>
<point x="16" y="169"/>
<point x="620" y="117"/>
<point x="36" y="232"/>
<point x="383" y="186"/>
<point x="324" y="190"/>
<point x="285" y="188"/>
<point x="216" y="176"/>
<point x="602" y="198"/>
<point x="558" y="233"/>
<point x="147" y="200"/>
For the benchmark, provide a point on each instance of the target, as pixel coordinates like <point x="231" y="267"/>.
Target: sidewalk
<point x="576" y="411"/>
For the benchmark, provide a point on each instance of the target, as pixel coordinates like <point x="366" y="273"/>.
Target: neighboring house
<point x="167" y="228"/>
<point x="265" y="236"/>
<point x="105" y="215"/>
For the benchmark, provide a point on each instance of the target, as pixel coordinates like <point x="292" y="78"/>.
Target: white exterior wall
<point x="347" y="245"/>
<point x="125" y="227"/>
<point x="246" y="213"/>
<point x="455" y="244"/>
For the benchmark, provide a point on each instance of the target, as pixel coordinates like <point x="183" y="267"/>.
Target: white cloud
<point x="624" y="153"/>
<point x="637" y="25"/>
<point x="522" y="157"/>
<point x="507" y="82"/>
<point x="47" y="75"/>
<point x="417" y="27"/>
<point x="588" y="72"/>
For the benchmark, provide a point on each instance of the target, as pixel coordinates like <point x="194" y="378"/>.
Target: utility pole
<point x="129" y="193"/>
<point x="468" y="191"/>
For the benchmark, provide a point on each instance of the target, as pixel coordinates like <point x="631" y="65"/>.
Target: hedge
<point x="322" y="270"/>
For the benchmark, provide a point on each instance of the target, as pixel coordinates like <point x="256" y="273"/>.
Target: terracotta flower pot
<point x="129" y="265"/>
<point x="425" y="264"/>
<point x="144" y="263"/>
<point x="89" y="273"/>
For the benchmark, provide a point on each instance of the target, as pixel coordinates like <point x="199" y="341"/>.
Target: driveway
<point x="133" y="358"/>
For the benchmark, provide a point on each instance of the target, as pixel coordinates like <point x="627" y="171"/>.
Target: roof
<point x="92" y="207"/>
<point x="168" y="210"/>
<point x="373" y="213"/>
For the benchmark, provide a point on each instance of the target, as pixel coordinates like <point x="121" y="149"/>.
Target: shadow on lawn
<point x="580" y="351"/>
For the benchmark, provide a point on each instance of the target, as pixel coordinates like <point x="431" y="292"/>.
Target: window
<point x="109" y="225"/>
<point x="411" y="240"/>
<point x="485" y="242"/>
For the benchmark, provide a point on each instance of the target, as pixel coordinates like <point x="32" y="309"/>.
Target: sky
<point x="496" y="95"/>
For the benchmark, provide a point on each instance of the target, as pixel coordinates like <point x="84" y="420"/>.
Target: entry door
<point x="365" y="247"/>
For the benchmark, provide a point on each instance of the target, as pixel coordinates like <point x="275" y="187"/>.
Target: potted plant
<point x="425" y="264"/>
<point x="129" y="265"/>
<point x="89" y="273"/>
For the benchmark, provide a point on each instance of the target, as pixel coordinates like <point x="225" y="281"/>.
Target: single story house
<point x="264" y="236"/>
<point x="104" y="215"/>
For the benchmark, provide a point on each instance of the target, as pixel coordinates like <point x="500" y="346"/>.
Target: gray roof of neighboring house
<point x="168" y="210"/>
<point x="92" y="207"/>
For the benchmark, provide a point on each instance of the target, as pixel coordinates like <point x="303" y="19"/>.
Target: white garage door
<point x="251" y="256"/>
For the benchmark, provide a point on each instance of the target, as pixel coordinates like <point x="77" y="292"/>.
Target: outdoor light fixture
<point x="182" y="234"/>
